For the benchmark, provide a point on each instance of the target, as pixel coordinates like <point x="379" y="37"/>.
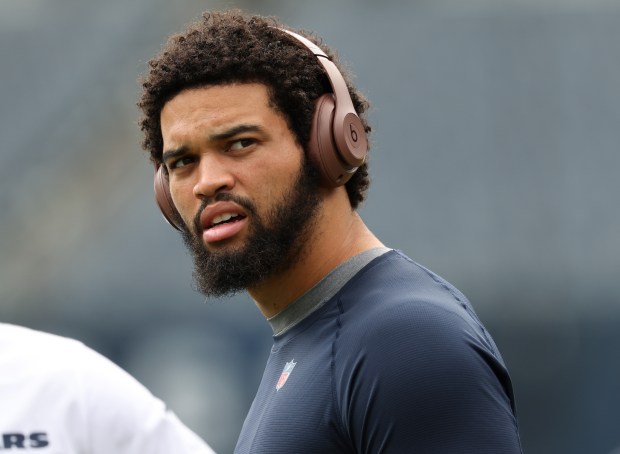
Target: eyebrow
<point x="175" y="153"/>
<point x="232" y="132"/>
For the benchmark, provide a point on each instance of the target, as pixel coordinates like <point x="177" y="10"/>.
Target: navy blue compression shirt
<point x="396" y="361"/>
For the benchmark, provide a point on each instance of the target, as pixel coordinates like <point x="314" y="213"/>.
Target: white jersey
<point x="57" y="396"/>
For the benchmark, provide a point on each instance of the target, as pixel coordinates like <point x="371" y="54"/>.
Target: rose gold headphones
<point x="337" y="146"/>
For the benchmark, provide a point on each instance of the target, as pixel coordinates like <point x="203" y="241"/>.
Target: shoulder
<point x="413" y="359"/>
<point x="25" y="350"/>
<point x="401" y="323"/>
<point x="395" y="296"/>
<point x="395" y="276"/>
<point x="26" y="338"/>
<point x="54" y="358"/>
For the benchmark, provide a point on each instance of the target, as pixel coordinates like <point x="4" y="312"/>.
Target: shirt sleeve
<point x="123" y="417"/>
<point x="425" y="382"/>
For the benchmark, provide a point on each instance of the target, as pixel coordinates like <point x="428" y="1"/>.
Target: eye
<point x="178" y="163"/>
<point x="241" y="144"/>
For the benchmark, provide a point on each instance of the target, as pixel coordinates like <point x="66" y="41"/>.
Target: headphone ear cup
<point x="322" y="147"/>
<point x="164" y="198"/>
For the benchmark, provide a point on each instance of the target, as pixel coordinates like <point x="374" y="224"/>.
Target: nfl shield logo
<point x="288" y="368"/>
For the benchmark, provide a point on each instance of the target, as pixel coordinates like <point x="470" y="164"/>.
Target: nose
<point x="214" y="176"/>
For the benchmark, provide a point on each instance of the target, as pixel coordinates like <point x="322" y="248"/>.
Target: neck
<point x="338" y="235"/>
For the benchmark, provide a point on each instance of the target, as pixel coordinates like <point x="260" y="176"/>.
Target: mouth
<point x="224" y="225"/>
<point x="225" y="218"/>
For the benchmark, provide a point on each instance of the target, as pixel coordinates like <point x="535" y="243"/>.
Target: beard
<point x="275" y="241"/>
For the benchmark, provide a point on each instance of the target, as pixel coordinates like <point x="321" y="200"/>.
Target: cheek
<point x="276" y="179"/>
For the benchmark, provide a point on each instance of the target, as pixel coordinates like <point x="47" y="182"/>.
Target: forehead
<point x="217" y="106"/>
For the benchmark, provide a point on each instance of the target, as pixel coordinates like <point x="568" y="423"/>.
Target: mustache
<point x="243" y="202"/>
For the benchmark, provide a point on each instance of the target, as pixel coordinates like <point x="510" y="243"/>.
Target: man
<point x="58" y="396"/>
<point x="259" y="144"/>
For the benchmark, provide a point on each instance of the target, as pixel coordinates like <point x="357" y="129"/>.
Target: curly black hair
<point x="232" y="47"/>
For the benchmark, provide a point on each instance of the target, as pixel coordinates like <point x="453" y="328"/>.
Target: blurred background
<point x="495" y="163"/>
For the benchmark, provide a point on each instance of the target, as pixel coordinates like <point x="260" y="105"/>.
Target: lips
<point x="222" y="221"/>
